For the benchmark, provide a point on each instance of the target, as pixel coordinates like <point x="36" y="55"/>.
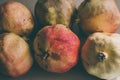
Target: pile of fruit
<point x="53" y="36"/>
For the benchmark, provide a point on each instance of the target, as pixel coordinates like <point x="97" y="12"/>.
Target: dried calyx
<point x="102" y="56"/>
<point x="44" y="54"/>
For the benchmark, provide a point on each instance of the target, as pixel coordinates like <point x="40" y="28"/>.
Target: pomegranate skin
<point x="56" y="48"/>
<point x="16" y="17"/>
<point x="15" y="55"/>
<point x="98" y="16"/>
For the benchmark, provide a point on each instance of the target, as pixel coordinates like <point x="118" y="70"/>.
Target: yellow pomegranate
<point x="101" y="55"/>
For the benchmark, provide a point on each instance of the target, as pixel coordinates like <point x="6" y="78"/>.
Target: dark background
<point x="36" y="73"/>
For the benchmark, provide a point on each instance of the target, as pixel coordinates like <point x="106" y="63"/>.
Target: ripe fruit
<point x="101" y="55"/>
<point x="99" y="16"/>
<point x="15" y="56"/>
<point x="56" y="48"/>
<point x="52" y="12"/>
<point x="16" y="18"/>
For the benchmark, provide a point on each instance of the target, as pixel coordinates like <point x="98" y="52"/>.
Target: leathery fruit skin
<point x="101" y="55"/>
<point x="56" y="48"/>
<point x="52" y="12"/>
<point x="98" y="16"/>
<point x="15" y="55"/>
<point x="16" y="17"/>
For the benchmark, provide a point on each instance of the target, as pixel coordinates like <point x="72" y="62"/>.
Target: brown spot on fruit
<point x="55" y="56"/>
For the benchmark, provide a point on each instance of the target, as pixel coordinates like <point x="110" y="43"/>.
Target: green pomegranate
<point x="52" y="12"/>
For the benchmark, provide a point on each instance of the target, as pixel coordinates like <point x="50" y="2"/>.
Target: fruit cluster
<point x="54" y="35"/>
<point x="99" y="20"/>
<point x="45" y="37"/>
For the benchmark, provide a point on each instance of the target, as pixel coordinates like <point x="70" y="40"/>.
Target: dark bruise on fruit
<point x="55" y="56"/>
<point x="44" y="55"/>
